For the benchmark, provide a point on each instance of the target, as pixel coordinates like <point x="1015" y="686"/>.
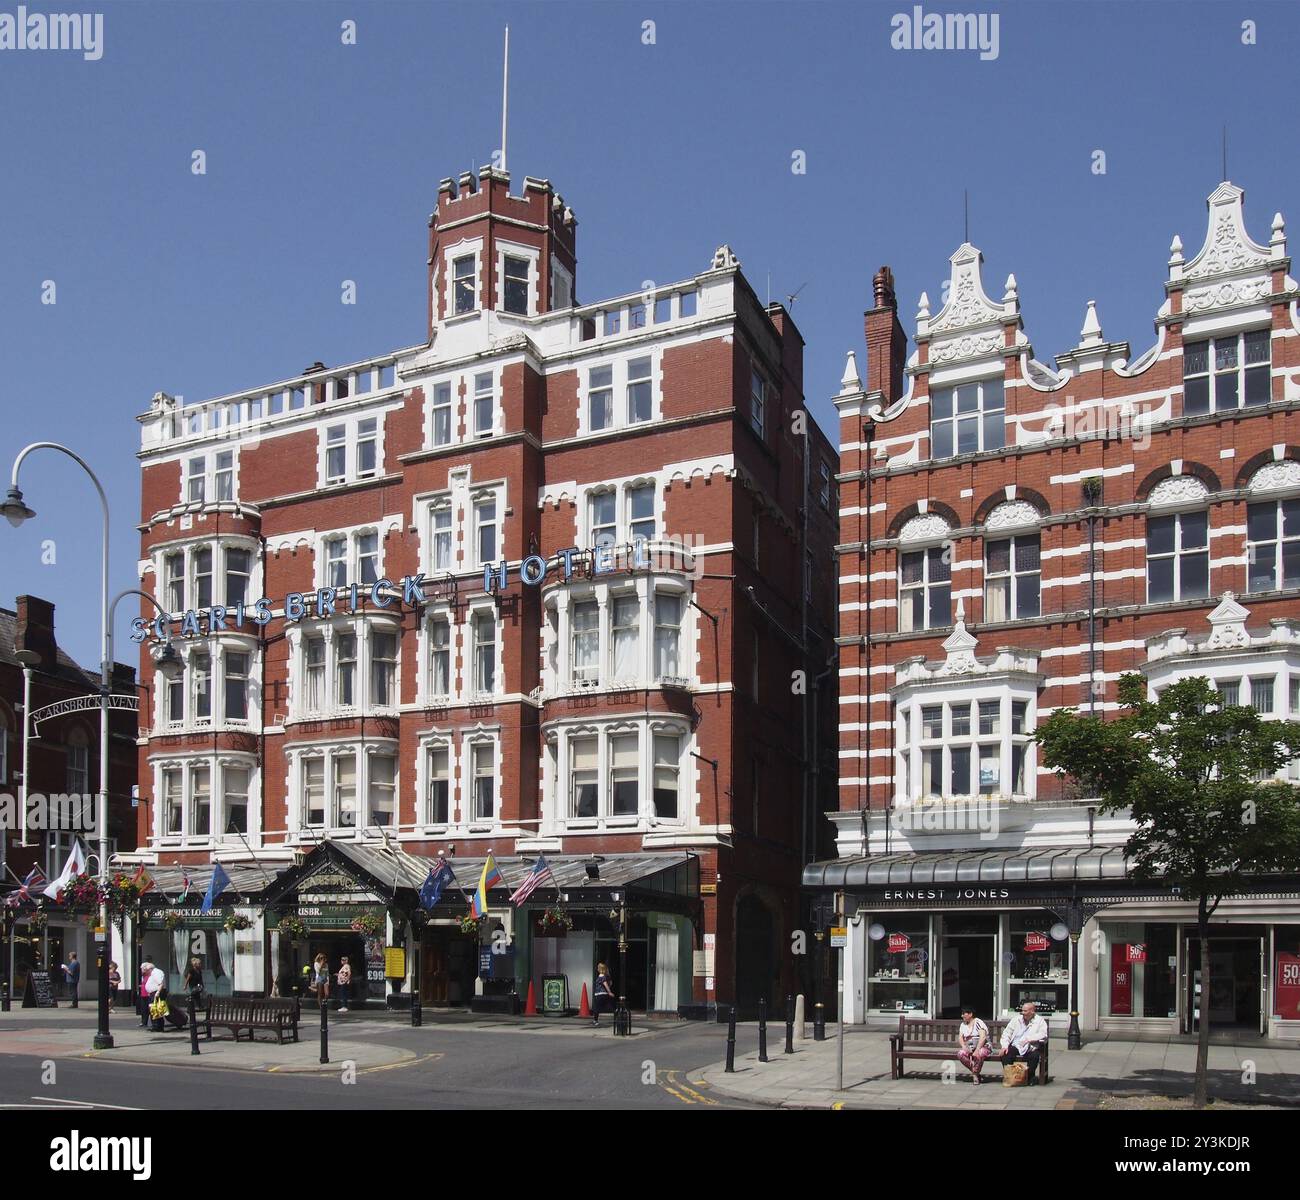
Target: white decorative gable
<point x="960" y="648"/>
<point x="1230" y="269"/>
<point x="1228" y="632"/>
<point x="1227" y="625"/>
<point x="970" y="324"/>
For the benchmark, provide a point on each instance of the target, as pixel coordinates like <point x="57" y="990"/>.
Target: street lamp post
<point x="16" y="511"/>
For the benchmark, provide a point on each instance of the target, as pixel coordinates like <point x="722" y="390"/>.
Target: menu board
<point x="555" y="994"/>
<point x="40" y="991"/>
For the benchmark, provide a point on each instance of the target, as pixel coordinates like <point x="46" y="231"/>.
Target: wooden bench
<point x="937" y="1040"/>
<point x="277" y="1013"/>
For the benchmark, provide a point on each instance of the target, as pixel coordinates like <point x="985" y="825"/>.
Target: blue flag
<point x="438" y="879"/>
<point x="220" y="881"/>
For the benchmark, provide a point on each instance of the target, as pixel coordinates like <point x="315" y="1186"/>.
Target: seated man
<point x="1023" y="1039"/>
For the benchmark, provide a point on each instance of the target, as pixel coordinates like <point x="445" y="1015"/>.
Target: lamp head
<point x="15" y="511"/>
<point x="168" y="663"/>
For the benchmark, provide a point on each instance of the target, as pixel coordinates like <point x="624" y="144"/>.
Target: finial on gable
<point x="1090" y="334"/>
<point x="850" y="381"/>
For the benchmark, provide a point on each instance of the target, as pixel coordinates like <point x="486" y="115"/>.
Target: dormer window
<point x="462" y="285"/>
<point x="967" y="419"/>
<point x="1224" y="373"/>
<point x="516" y="285"/>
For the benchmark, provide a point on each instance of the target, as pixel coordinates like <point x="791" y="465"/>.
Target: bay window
<point x="584" y="777"/>
<point x="174" y="577"/>
<point x="585" y="652"/>
<point x="201" y="673"/>
<point x="173" y="795"/>
<point x="1178" y="557"/>
<point x="238" y="573"/>
<point x="668" y="621"/>
<point x="314" y="675"/>
<point x="201" y="802"/>
<point x="925" y="589"/>
<point x="624" y="792"/>
<point x="603" y="507"/>
<point x="235" y="781"/>
<point x="383" y="789"/>
<point x="203" y="578"/>
<point x="367" y="558"/>
<point x="383" y="669"/>
<point x="1272" y="545"/>
<point x="345" y="669"/>
<point x="344" y="792"/>
<point x="625" y="630"/>
<point x="236" y="671"/>
<point x="174" y="699"/>
<point x="667" y="756"/>
<point x="963" y="747"/>
<point x="440" y="537"/>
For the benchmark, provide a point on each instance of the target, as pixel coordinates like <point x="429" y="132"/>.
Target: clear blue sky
<point x="323" y="162"/>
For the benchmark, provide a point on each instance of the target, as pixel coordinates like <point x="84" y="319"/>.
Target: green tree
<point x="1198" y="779"/>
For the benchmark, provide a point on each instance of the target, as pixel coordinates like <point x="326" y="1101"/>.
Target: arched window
<point x="1178" y="543"/>
<point x="1273" y="529"/>
<point x="924" y="574"/>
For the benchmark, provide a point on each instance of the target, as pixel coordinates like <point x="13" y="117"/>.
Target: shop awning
<point x="246" y="882"/>
<point x="1055" y="864"/>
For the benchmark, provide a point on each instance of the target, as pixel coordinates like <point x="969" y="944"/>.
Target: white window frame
<point x="1238" y="372"/>
<point x="1013" y="578"/>
<point x="1279" y="543"/>
<point x="913" y="741"/>
<point x="351" y="440"/>
<point x="331" y="630"/>
<point x="532" y="256"/>
<point x="1179" y="554"/>
<point x="218" y="767"/>
<point x="619" y="385"/>
<point x="330" y="754"/>
<point x="980" y="413"/>
<point x="351" y="559"/>
<point x="925" y="586"/>
<point x="209" y="471"/>
<point x="758" y="392"/>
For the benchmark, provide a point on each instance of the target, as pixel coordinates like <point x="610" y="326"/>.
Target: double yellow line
<point x="683" y="1091"/>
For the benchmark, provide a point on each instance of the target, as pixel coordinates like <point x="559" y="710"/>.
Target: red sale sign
<point x="1121" y="982"/>
<point x="899" y="943"/>
<point x="1137" y="952"/>
<point x="1287" y="992"/>
<point x="1037" y="941"/>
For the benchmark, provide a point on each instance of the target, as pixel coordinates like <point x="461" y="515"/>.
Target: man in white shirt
<point x="1023" y="1039"/>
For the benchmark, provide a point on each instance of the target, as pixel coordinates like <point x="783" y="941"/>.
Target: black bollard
<point x="789" y="1024"/>
<point x="731" y="1041"/>
<point x="819" y="1022"/>
<point x="324" y="1027"/>
<point x="194" y="1028"/>
<point x="762" y="1029"/>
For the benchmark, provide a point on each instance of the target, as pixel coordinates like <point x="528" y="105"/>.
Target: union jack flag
<point x="35" y="879"/>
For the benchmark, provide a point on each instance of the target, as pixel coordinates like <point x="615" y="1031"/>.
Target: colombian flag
<point x="490" y="878"/>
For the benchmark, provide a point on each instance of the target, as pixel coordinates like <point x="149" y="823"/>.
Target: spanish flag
<point x="490" y="878"/>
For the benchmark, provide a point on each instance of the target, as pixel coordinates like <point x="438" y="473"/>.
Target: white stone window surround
<point x="364" y="626"/>
<point x="618" y="364"/>
<point x="350" y="423"/>
<point x="217" y="765"/>
<point x="216" y="648"/>
<point x="461" y="249"/>
<point x="464" y="795"/>
<point x="480" y="606"/>
<point x="557" y="634"/>
<point x="924" y="532"/>
<point x="460" y="496"/>
<point x="910" y="742"/>
<point x="584" y="537"/>
<point x="209" y="475"/>
<point x="352" y="534"/>
<point x="556" y="781"/>
<point x="157" y="562"/>
<point x="326" y="752"/>
<point x="461" y="648"/>
<point x="428" y="740"/>
<point x="532" y="254"/>
<point x="462" y="385"/>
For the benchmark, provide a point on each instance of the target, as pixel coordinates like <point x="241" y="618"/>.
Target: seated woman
<point x="973" y="1042"/>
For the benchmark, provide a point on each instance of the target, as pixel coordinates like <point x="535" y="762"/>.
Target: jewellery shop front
<point x="929" y="933"/>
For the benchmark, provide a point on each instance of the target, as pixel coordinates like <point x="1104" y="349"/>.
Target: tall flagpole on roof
<point x="505" y="98"/>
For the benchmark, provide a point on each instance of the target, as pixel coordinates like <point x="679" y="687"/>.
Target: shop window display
<point x="1286" y="972"/>
<point x="1038" y="960"/>
<point x="1139" y="970"/>
<point x="898" y="965"/>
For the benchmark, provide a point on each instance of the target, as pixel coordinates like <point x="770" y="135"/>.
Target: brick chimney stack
<point x="886" y="341"/>
<point x="35" y="630"/>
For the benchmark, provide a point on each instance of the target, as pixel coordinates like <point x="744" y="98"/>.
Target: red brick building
<point x="1014" y="537"/>
<point x="62" y="766"/>
<point x="540" y="584"/>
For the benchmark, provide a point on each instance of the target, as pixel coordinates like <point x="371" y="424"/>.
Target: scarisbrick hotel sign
<point x="411" y="591"/>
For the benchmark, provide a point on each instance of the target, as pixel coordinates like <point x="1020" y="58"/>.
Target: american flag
<point x="541" y="869"/>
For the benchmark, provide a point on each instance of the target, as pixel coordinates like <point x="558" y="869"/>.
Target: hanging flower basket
<point x="469" y="925"/>
<point x="172" y="920"/>
<point x="554" y="922"/>
<point x="372" y="924"/>
<point x="293" y="928"/>
<point x="235" y="922"/>
<point x="82" y="892"/>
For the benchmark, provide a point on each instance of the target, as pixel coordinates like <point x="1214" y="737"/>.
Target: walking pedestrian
<point x="193" y="981"/>
<point x="114" y="982"/>
<point x="72" y="973"/>
<point x="320" y="978"/>
<point x="155" y="990"/>
<point x="603" y="1000"/>
<point x="142" y="994"/>
<point x="345" y="984"/>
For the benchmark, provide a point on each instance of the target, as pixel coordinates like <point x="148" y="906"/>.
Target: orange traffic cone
<point x="530" y="1008"/>
<point x="584" y="1009"/>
